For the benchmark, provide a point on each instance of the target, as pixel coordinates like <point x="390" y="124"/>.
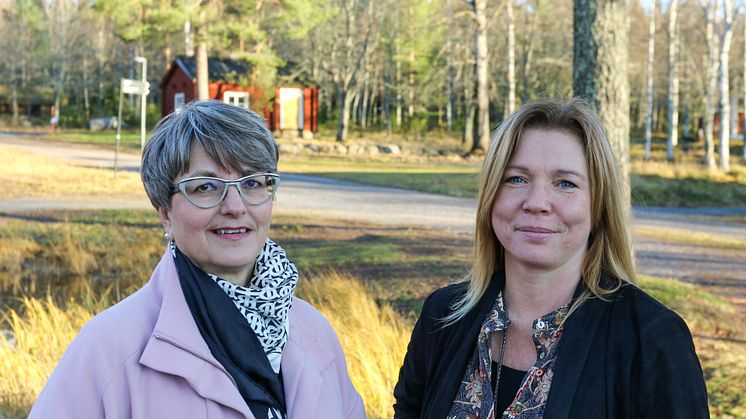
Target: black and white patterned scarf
<point x="266" y="301"/>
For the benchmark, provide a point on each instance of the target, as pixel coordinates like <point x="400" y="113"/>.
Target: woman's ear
<point x="165" y="218"/>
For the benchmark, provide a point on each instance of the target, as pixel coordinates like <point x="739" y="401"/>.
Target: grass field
<point x="352" y="286"/>
<point x="32" y="175"/>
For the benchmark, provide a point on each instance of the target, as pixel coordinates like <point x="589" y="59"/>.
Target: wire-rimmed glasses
<point x="207" y="192"/>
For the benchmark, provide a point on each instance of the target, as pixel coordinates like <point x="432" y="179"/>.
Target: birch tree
<point x="711" y="64"/>
<point x="649" y="92"/>
<point x="743" y="87"/>
<point x="724" y="86"/>
<point x="673" y="80"/>
<point x="482" y="132"/>
<point x="600" y="31"/>
<point x="511" y="58"/>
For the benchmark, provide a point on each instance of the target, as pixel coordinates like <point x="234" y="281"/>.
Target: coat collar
<point x="176" y="346"/>
<point x="573" y="351"/>
<point x="462" y="347"/>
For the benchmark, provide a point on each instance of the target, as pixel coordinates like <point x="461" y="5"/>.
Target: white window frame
<point x="179" y="101"/>
<point x="240" y="99"/>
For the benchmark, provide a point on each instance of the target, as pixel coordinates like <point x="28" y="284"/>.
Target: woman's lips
<point x="231" y="233"/>
<point x="535" y="232"/>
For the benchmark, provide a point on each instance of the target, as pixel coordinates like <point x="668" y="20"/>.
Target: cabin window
<point x="237" y="98"/>
<point x="179" y="100"/>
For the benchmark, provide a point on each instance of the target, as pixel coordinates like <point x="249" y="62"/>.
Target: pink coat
<point x="145" y="358"/>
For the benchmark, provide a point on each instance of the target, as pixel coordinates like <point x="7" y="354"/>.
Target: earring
<point x="166" y="236"/>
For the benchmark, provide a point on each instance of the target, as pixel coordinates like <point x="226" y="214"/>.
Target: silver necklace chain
<point x="501" y="358"/>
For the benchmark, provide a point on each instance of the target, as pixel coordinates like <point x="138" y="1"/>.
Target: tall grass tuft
<point x="373" y="337"/>
<point x="32" y="348"/>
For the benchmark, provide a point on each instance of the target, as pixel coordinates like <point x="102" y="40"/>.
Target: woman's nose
<point x="536" y="200"/>
<point x="233" y="202"/>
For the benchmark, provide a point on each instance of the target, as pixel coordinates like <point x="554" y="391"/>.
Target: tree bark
<point x="203" y="84"/>
<point x="449" y="65"/>
<point x="600" y="69"/>
<point x="511" y="58"/>
<point x="711" y="61"/>
<point x="743" y="92"/>
<point x="673" y="80"/>
<point x="482" y="137"/>
<point x="649" y="93"/>
<point x="724" y="87"/>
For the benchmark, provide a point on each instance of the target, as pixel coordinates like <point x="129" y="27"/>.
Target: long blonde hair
<point x="608" y="244"/>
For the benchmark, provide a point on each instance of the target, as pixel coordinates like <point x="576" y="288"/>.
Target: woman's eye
<point x="514" y="180"/>
<point x="206" y="187"/>
<point x="250" y="184"/>
<point x="565" y="184"/>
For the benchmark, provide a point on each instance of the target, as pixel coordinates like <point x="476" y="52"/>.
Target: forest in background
<point x="409" y="65"/>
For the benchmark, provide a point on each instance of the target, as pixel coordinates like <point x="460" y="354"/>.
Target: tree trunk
<point x="673" y="80"/>
<point x="398" y="87"/>
<point x="449" y="69"/>
<point x="482" y="137"/>
<point x="345" y="103"/>
<point x="14" y="104"/>
<point x="600" y="69"/>
<point x="649" y="93"/>
<point x="711" y="62"/>
<point x="724" y="87"/>
<point x="511" y="58"/>
<point x="203" y="83"/>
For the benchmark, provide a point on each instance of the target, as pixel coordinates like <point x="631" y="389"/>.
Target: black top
<point x="510" y="382"/>
<point x="626" y="356"/>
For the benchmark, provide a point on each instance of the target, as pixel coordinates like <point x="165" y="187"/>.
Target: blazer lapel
<point x="461" y="348"/>
<point x="575" y="345"/>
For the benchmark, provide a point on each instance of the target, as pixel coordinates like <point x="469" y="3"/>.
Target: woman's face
<point x="226" y="239"/>
<point x="542" y="211"/>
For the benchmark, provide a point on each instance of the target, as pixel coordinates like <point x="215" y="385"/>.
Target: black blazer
<point x="627" y="357"/>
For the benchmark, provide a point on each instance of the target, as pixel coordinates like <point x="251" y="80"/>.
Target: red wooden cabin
<point x="294" y="107"/>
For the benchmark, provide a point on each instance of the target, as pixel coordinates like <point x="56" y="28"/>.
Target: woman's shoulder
<point x="634" y="304"/>
<point x="304" y="316"/>
<point x="120" y="329"/>
<point x="440" y="301"/>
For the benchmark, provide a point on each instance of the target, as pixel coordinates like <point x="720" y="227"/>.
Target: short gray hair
<point x="234" y="137"/>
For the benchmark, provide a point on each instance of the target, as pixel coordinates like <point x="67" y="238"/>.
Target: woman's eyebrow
<point x="570" y="172"/>
<point x="206" y="173"/>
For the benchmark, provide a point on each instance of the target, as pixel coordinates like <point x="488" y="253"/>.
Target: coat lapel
<point x="176" y="346"/>
<point x="572" y="354"/>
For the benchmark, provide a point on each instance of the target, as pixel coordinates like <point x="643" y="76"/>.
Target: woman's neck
<point x="532" y="293"/>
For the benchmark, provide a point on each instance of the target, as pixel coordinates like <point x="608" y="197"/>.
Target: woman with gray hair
<point x="216" y="332"/>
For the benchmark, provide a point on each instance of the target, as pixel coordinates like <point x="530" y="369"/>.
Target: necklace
<point x="501" y="358"/>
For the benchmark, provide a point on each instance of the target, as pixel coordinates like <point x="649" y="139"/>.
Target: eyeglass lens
<point x="208" y="192"/>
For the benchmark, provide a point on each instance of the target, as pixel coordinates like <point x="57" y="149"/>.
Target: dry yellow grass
<point x="39" y="338"/>
<point x="32" y="175"/>
<point x="374" y="340"/>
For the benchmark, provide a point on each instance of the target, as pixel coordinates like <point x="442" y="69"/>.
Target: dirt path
<point x="721" y="271"/>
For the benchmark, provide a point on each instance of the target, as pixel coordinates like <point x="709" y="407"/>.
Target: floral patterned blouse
<point x="475" y="399"/>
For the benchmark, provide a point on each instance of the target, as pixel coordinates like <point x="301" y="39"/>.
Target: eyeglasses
<point x="207" y="192"/>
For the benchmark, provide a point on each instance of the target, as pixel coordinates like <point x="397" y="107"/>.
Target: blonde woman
<point x="549" y="323"/>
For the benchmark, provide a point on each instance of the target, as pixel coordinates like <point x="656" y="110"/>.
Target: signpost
<point x="133" y="87"/>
